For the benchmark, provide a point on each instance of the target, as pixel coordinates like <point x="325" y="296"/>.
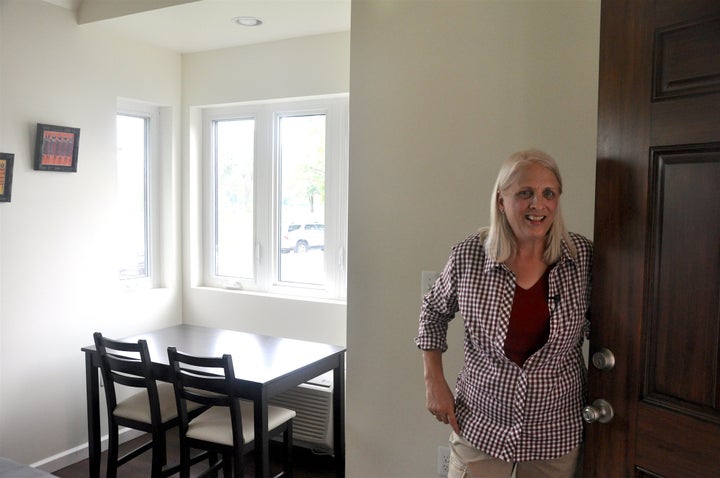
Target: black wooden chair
<point x="149" y="408"/>
<point x="227" y="428"/>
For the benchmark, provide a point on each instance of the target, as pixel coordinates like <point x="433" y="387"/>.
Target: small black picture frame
<point x="6" y="174"/>
<point x="56" y="148"/>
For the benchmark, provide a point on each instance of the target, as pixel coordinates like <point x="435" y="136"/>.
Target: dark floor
<point x="306" y="464"/>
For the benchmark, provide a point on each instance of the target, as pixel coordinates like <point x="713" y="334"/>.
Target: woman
<point x="522" y="287"/>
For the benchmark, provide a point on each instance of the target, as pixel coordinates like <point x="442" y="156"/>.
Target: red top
<point x="529" y="326"/>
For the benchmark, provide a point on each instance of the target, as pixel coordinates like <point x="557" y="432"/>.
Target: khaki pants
<point x="467" y="461"/>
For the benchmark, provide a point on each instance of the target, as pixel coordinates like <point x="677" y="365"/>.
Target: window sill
<point x="272" y="295"/>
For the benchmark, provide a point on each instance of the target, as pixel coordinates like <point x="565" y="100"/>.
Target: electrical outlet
<point x="443" y="461"/>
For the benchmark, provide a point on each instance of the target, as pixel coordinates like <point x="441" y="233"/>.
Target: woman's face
<point x="530" y="202"/>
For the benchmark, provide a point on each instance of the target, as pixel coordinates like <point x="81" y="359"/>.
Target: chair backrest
<point x="128" y="364"/>
<point x="206" y="381"/>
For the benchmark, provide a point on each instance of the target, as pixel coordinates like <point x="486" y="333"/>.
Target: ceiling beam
<point x="95" y="10"/>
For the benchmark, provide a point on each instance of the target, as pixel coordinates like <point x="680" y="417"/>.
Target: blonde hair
<point x="499" y="238"/>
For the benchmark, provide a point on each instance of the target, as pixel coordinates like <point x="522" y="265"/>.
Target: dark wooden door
<point x="656" y="279"/>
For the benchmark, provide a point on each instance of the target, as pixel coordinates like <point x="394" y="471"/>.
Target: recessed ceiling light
<point x="248" y="21"/>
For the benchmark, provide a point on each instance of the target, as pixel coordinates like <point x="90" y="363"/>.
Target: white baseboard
<point x="73" y="455"/>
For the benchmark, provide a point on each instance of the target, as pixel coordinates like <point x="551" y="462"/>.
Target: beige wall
<point x="441" y="92"/>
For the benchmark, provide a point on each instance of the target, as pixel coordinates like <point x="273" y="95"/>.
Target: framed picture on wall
<point x="6" y="173"/>
<point x="56" y="148"/>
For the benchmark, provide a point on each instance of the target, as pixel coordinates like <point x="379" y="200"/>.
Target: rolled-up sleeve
<point x="439" y="306"/>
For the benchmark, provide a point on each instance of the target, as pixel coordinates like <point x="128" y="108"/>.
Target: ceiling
<point x="200" y="25"/>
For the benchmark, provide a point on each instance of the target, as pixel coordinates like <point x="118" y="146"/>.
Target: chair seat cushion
<point x="137" y="406"/>
<point x="214" y="425"/>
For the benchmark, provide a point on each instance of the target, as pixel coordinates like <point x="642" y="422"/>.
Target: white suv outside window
<point x="303" y="237"/>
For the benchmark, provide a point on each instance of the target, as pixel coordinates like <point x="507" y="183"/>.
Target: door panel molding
<point x="686" y="60"/>
<point x="682" y="336"/>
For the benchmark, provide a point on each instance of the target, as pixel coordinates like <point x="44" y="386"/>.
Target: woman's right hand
<point x="439" y="398"/>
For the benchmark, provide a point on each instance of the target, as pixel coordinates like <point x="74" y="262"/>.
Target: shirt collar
<point x="566" y="256"/>
<point x="489" y="264"/>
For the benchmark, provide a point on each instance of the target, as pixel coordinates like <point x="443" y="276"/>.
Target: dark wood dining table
<point x="265" y="366"/>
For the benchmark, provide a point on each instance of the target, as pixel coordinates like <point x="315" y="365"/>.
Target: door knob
<point x="600" y="411"/>
<point x="603" y="359"/>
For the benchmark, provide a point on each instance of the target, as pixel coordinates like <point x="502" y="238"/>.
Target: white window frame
<point x="152" y="114"/>
<point x="267" y="201"/>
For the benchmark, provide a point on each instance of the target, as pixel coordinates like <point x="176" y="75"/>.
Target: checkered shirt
<point x="510" y="412"/>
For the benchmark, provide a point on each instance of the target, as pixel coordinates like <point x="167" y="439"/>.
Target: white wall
<point x="440" y="93"/>
<point x="59" y="276"/>
<point x="317" y="65"/>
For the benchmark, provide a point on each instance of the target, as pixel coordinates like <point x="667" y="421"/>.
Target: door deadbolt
<point x="603" y="359"/>
<point x="600" y="411"/>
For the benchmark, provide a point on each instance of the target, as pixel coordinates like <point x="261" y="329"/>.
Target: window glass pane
<point x="302" y="200"/>
<point x="276" y="179"/>
<point x="132" y="196"/>
<point x="234" y="233"/>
